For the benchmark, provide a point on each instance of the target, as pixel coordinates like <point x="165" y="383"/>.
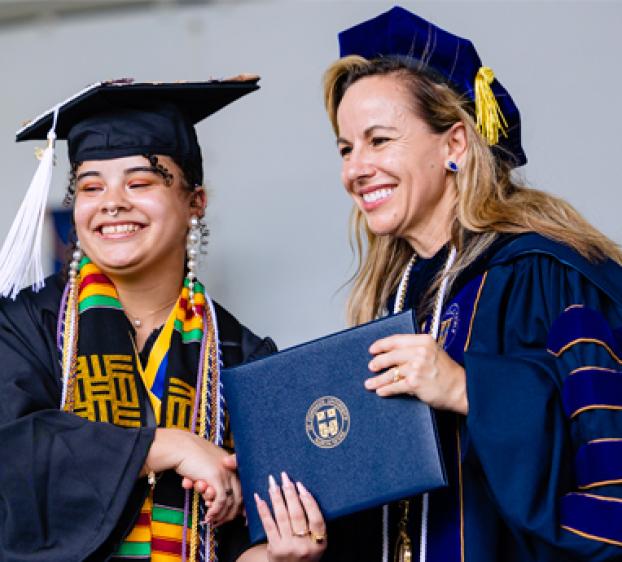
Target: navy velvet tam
<point x="123" y="118"/>
<point x="446" y="58"/>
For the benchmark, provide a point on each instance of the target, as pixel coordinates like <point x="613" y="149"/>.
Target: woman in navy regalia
<point x="518" y="297"/>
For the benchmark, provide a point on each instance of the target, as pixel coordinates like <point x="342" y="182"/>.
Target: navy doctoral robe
<point x="535" y="468"/>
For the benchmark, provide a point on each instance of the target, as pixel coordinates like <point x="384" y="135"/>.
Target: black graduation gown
<point x="69" y="487"/>
<point x="535" y="468"/>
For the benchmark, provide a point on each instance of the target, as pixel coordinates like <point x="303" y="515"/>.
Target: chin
<point x="117" y="265"/>
<point x="382" y="228"/>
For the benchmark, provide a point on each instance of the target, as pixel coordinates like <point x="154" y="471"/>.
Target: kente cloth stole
<point x="179" y="387"/>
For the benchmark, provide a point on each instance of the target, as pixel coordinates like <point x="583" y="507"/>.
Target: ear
<point x="456" y="143"/>
<point x="198" y="201"/>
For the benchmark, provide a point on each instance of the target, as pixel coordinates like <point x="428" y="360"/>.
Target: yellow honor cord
<point x="490" y="120"/>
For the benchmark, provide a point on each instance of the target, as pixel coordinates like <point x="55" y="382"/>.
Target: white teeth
<point x="374" y="196"/>
<point x="119" y="228"/>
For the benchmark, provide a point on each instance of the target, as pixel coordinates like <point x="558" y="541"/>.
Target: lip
<point x="371" y="205"/>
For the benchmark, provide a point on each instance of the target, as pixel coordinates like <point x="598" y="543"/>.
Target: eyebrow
<point x="126" y="172"/>
<point x="368" y="132"/>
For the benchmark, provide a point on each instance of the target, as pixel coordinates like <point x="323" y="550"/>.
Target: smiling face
<point x="394" y="165"/>
<point x="129" y="219"/>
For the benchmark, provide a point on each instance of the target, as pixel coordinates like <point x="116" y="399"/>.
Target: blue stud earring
<point x="452" y="166"/>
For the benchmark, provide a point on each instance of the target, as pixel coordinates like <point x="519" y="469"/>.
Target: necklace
<point x="403" y="545"/>
<point x="138" y="322"/>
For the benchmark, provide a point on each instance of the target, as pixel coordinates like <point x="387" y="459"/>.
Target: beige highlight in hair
<point x="489" y="201"/>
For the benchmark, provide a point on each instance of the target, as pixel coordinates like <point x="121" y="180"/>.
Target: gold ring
<point x="317" y="539"/>
<point x="397" y="376"/>
<point x="302" y="534"/>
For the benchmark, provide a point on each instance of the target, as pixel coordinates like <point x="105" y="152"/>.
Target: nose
<point x="357" y="167"/>
<point x="115" y="201"/>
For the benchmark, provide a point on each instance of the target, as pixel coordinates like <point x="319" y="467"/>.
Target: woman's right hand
<point x="196" y="459"/>
<point x="297" y="531"/>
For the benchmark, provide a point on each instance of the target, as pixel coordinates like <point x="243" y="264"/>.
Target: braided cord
<point x="70" y="347"/>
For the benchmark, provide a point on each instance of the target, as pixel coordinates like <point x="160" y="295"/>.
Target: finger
<point x="230" y="462"/>
<point x="389" y="343"/>
<point x="238" y="499"/>
<point x="209" y="494"/>
<point x="200" y="486"/>
<point x="279" y="508"/>
<point x="317" y="525"/>
<point x="218" y="503"/>
<point x="186" y="483"/>
<point x="232" y="505"/>
<point x="397" y="341"/>
<point x="392" y="376"/>
<point x="399" y="387"/>
<point x="415" y="354"/>
<point x="297" y="517"/>
<point x="269" y="526"/>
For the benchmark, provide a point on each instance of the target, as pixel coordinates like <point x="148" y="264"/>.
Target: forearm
<point x="166" y="449"/>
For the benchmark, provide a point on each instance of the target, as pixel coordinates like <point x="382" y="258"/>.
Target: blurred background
<point x="278" y="254"/>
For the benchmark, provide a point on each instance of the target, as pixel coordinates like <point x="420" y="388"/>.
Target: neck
<point x="431" y="233"/>
<point x="148" y="299"/>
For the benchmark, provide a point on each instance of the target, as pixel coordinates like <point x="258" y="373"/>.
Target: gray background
<point x="278" y="251"/>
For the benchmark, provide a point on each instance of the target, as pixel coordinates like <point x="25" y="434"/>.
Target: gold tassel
<point x="403" y="544"/>
<point x="490" y="120"/>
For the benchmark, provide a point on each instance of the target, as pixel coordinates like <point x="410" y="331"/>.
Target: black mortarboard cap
<point x="123" y="118"/>
<point x="446" y="57"/>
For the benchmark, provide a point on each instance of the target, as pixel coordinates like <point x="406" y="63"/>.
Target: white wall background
<point x="278" y="252"/>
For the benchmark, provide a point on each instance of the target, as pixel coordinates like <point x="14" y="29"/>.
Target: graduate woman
<point x="519" y="301"/>
<point x="112" y="424"/>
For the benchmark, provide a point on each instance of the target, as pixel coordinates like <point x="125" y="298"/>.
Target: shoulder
<point x="532" y="253"/>
<point x="34" y="305"/>
<point x="238" y="343"/>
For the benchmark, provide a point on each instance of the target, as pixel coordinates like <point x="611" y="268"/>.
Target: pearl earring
<point x="192" y="250"/>
<point x="74" y="265"/>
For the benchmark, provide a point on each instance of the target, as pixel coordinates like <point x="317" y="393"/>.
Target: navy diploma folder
<point x="305" y="411"/>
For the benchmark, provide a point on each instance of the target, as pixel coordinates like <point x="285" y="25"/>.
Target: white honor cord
<point x="436" y="322"/>
<point x="385" y="533"/>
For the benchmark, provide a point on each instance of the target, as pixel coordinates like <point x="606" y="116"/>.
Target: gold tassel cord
<point x="70" y="344"/>
<point x="490" y="119"/>
<point x="202" y="430"/>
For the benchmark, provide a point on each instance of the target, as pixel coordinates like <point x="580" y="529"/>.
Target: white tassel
<point x="20" y="257"/>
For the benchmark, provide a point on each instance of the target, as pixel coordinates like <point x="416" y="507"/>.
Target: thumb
<point x="230" y="462"/>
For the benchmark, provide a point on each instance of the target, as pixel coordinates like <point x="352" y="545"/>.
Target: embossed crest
<point x="327" y="422"/>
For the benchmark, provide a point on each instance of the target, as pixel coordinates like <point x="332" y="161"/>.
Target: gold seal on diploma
<point x="327" y="422"/>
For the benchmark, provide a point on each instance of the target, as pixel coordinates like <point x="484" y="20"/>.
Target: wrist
<point x="165" y="451"/>
<point x="461" y="402"/>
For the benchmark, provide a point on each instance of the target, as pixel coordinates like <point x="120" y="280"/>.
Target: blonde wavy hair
<point x="489" y="200"/>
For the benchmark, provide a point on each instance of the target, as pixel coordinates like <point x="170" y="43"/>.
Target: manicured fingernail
<point x="301" y="489"/>
<point x="368" y="383"/>
<point x="285" y="479"/>
<point x="257" y="498"/>
<point x="272" y="482"/>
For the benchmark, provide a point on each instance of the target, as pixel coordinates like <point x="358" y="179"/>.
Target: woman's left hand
<point x="415" y="364"/>
<point x="297" y="532"/>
